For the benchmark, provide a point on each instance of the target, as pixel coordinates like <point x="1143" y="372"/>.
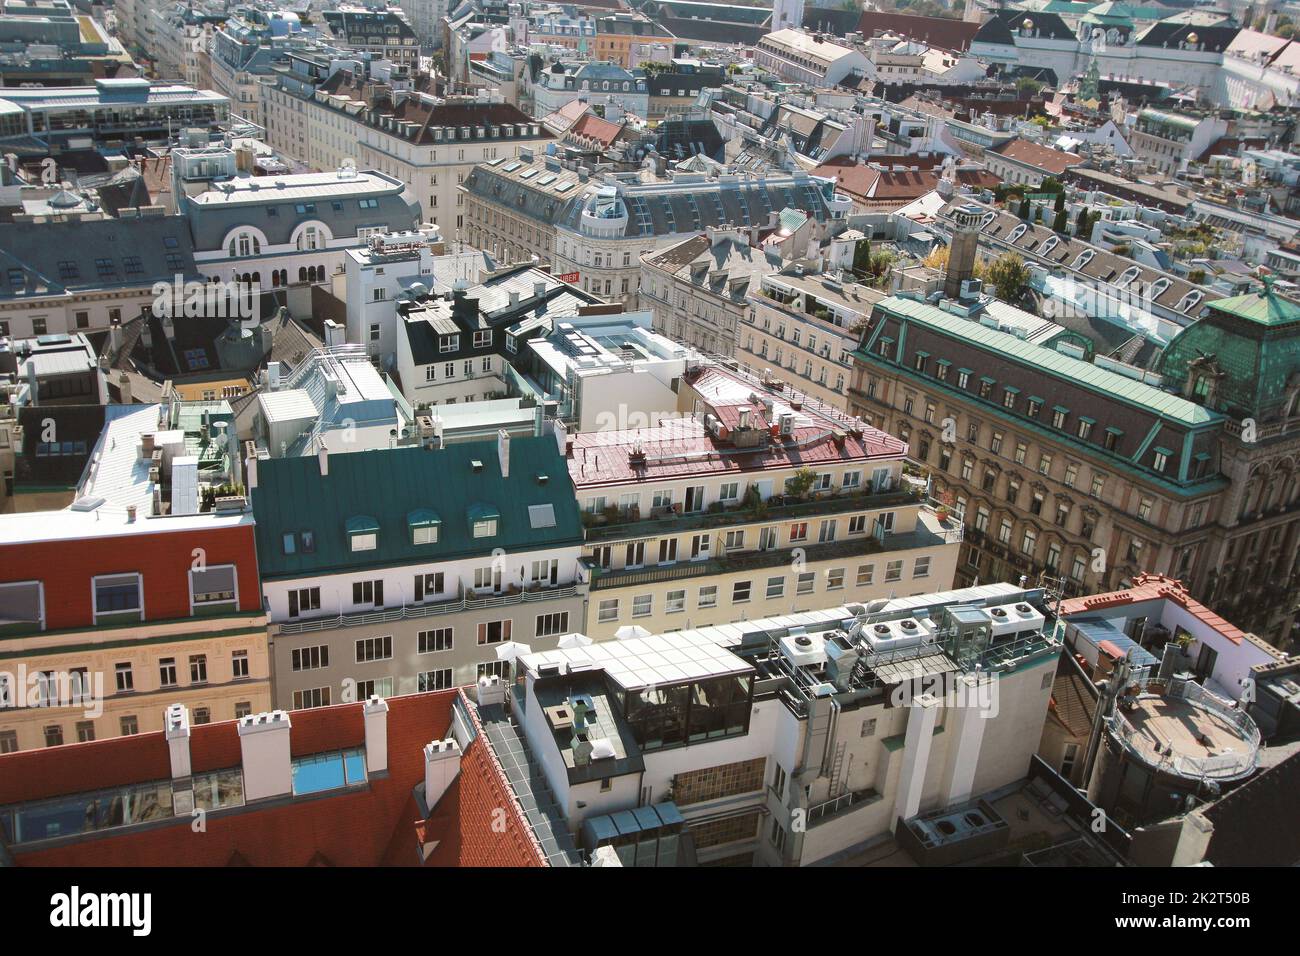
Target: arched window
<point x="302" y="274"/>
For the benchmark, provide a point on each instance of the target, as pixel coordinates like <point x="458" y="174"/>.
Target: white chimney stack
<point x="491" y="690"/>
<point x="503" y="451"/>
<point x="323" y="455"/>
<point x="250" y="472"/>
<point x="272" y="375"/>
<point x="441" y="768"/>
<point x="376" y="719"/>
<point x="176" y="721"/>
<point x="264" y="745"/>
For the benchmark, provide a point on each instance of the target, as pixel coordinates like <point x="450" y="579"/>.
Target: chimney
<point x="503" y="451"/>
<point x="514" y="298"/>
<point x="250" y="471"/>
<point x="130" y="514"/>
<point x="376" y="718"/>
<point x="323" y="455"/>
<point x="441" y="768"/>
<point x="124" y="388"/>
<point x="176" y="720"/>
<point x="334" y="333"/>
<point x="491" y="690"/>
<point x="272" y="375"/>
<point x="147" y="445"/>
<point x="264" y="746"/>
<point x="539" y="289"/>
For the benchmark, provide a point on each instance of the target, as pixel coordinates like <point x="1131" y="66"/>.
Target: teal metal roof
<point x="393" y="488"/>
<point x="1266" y="309"/>
<point x="1169" y="406"/>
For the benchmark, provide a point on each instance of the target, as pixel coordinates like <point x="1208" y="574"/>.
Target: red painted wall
<point x="164" y="560"/>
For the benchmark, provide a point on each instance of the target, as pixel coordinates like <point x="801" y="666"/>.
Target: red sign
<point x="570" y="277"/>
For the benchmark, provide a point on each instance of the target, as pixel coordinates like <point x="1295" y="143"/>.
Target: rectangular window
<point x="807" y="583"/>
<point x="167" y="672"/>
<point x="834" y="579"/>
<point x="130" y="725"/>
<point x="675" y="602"/>
<point x="708" y="596"/>
<point x="125" y="678"/>
<point x="775" y="587"/>
<point x="310" y="658"/>
<point x="740" y="592"/>
<point x="374" y="649"/>
<point x="430" y="642"/>
<point x="921" y="568"/>
<point x="239" y="665"/>
<point x="198" y="668"/>
<point x="368" y="593"/>
<point x="312" y="697"/>
<point x="118" y="598"/>
<point x="866" y="574"/>
<point x="643" y="605"/>
<point x="894" y="571"/>
<point x="553" y="625"/>
<point x="494" y="632"/>
<point x="434" y="680"/>
<point x="213" y="589"/>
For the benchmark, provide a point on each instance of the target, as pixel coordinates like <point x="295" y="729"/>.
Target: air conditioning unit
<point x="804" y="650"/>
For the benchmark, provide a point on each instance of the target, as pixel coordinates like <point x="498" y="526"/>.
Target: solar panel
<point x="511" y="167"/>
<point x="547" y="179"/>
<point x="528" y="174"/>
<point x="564" y="187"/>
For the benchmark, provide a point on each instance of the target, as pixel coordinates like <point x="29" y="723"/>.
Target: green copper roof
<point x="1101" y="380"/>
<point x="390" y="490"/>
<point x="1266" y="309"/>
<point x="1253" y="340"/>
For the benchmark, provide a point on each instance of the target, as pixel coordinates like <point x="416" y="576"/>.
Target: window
<point x="434" y="680"/>
<point x="552" y="625"/>
<point x="1059" y="416"/>
<point x="1144" y="509"/>
<point x="429" y="642"/>
<point x="167" y="672"/>
<point x="675" y="602"/>
<point x="485" y="527"/>
<point x="368" y="593"/>
<point x="53" y="735"/>
<point x="799" y="531"/>
<point x="868" y="727"/>
<point x="608" y="611"/>
<point x="213" y="589"/>
<point x="858" y="524"/>
<point x="1161" y="460"/>
<point x="374" y="649"/>
<point x="310" y="658"/>
<point x="894" y="571"/>
<point x="921" y="568"/>
<point x="834" y="579"/>
<point x="198" y="668"/>
<point x="740" y="592"/>
<point x="242" y="709"/>
<point x="775" y="587"/>
<point x="428" y="586"/>
<point x="85" y="731"/>
<point x="239" y="665"/>
<point x="494" y="632"/>
<point x="735" y="540"/>
<point x="1045" y="464"/>
<point x="130" y="725"/>
<point x="1029" y="543"/>
<point x="708" y="596"/>
<point x="366" y="689"/>
<point x="643" y="605"/>
<point x="117" y="598"/>
<point x="125" y="678"/>
<point x="807" y="583"/>
<point x="312" y="697"/>
<point x="826" y="532"/>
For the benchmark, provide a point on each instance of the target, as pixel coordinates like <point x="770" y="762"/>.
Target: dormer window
<point x="423" y="525"/>
<point x="1128" y="276"/>
<point x="363" y="533"/>
<point x="483" y="521"/>
<point x="1159" y="286"/>
<point x="448" y="343"/>
<point x="1017" y="232"/>
<point x="1189" y="301"/>
<point x="1084" y="258"/>
<point x="1049" y="244"/>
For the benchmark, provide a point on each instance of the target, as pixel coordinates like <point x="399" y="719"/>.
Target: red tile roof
<point x="379" y="824"/>
<point x="592" y="127"/>
<point x="1154" y="587"/>
<point x="1053" y="161"/>
<point x="680" y="447"/>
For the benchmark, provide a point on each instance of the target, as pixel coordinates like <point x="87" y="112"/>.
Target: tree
<point x="1024" y="209"/>
<point x="937" y="259"/>
<point x="1009" y="277"/>
<point x="861" y="256"/>
<point x="1081" y="226"/>
<point x="801" y="482"/>
<point x="1062" y="222"/>
<point x="1060" y="201"/>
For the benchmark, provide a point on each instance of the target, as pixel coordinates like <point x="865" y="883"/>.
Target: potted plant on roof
<point x="946" y="502"/>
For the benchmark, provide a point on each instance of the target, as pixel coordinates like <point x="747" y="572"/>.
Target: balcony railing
<point x="623" y="526"/>
<point x="463" y="602"/>
<point x="821" y="812"/>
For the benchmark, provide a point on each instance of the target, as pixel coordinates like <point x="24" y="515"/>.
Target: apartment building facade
<point x="804" y="328"/>
<point x="750" y="504"/>
<point x="429" y="144"/>
<point x="470" y="547"/>
<point x="113" y="609"/>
